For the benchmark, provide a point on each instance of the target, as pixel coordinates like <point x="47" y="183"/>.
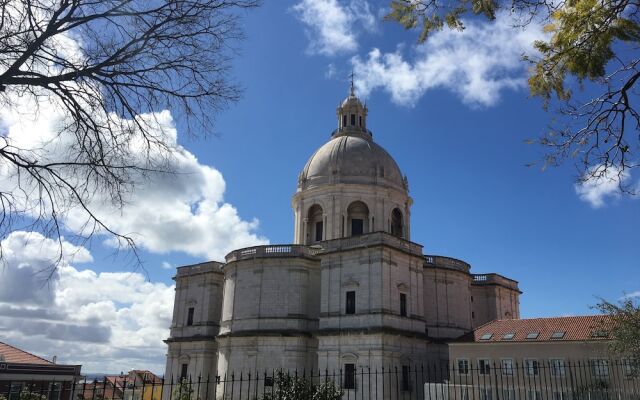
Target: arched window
<point x="357" y="218"/>
<point x="315" y="225"/>
<point x="397" y="225"/>
<point x="344" y="120"/>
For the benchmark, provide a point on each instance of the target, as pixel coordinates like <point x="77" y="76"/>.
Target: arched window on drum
<point x="357" y="219"/>
<point x="397" y="223"/>
<point x="315" y="224"/>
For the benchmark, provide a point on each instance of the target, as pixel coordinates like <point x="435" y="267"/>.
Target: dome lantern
<point x="352" y="114"/>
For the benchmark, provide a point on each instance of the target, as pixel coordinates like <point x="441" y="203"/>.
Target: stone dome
<point x="351" y="157"/>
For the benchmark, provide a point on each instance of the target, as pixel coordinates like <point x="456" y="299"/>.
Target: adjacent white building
<point x="352" y="291"/>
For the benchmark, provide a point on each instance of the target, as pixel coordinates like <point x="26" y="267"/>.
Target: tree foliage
<point x="291" y="387"/>
<point x="184" y="391"/>
<point x="623" y="328"/>
<point x="107" y="67"/>
<point x="590" y="42"/>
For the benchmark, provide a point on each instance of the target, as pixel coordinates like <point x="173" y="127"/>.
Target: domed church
<point x="352" y="291"/>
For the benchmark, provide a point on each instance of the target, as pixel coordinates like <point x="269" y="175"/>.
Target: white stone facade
<point x="352" y="290"/>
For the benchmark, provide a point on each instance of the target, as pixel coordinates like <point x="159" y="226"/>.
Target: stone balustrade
<point x="195" y="269"/>
<point x="276" y="250"/>
<point x="447" y="262"/>
<point x="494" y="279"/>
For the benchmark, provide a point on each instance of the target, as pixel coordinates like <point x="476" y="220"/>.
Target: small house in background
<point x="134" y="385"/>
<point x="21" y="370"/>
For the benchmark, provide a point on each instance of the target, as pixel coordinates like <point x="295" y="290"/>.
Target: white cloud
<point x="332" y="26"/>
<point x="166" y="265"/>
<point x="108" y="322"/>
<point x="184" y="211"/>
<point x="598" y="185"/>
<point x="477" y="64"/>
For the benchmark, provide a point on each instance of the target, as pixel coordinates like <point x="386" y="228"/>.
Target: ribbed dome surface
<point x="351" y="158"/>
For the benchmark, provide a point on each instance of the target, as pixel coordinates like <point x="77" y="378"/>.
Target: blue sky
<point x="474" y="198"/>
<point x="454" y="113"/>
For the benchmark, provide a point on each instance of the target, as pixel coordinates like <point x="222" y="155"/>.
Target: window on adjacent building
<point x="319" y="227"/>
<point x="533" y="395"/>
<point x="405" y="378"/>
<point x="508" y="393"/>
<point x="532" y="367"/>
<point x="183" y="371"/>
<point x="486" y="336"/>
<point x="629" y="368"/>
<point x="560" y="395"/>
<point x="509" y="336"/>
<point x="507" y="366"/>
<point x="54" y="390"/>
<point x="558" y="334"/>
<point x="600" y="368"/>
<point x="464" y="393"/>
<point x="15" y="389"/>
<point x="190" y="312"/>
<point x="357" y="226"/>
<point x="350" y="304"/>
<point x="463" y="366"/>
<point x="485" y="393"/>
<point x="403" y="305"/>
<point x="484" y="366"/>
<point x="349" y="376"/>
<point x="557" y="366"/>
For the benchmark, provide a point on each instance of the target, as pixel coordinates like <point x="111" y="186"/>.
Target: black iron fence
<point x="506" y="379"/>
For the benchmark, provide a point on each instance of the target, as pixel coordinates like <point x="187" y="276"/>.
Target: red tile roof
<point x="588" y="327"/>
<point x="14" y="355"/>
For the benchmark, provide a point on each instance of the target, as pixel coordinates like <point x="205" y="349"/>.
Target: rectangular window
<point x="559" y="395"/>
<point x="507" y="366"/>
<point x="349" y="376"/>
<point x="463" y="366"/>
<point x="557" y="366"/>
<point x="600" y="368"/>
<point x="183" y="371"/>
<point x="484" y="366"/>
<point x="628" y="367"/>
<point x="533" y="395"/>
<point x="464" y="393"/>
<point x="353" y="119"/>
<point x="531" y="367"/>
<point x="357" y="227"/>
<point x="485" y="393"/>
<point x="508" y="394"/>
<point x="360" y="121"/>
<point x="190" y="316"/>
<point x="319" y="231"/>
<point x="350" y="305"/>
<point x="344" y="120"/>
<point x="403" y="305"/>
<point x="54" y="390"/>
<point x="15" y="389"/>
<point x="405" y="378"/>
